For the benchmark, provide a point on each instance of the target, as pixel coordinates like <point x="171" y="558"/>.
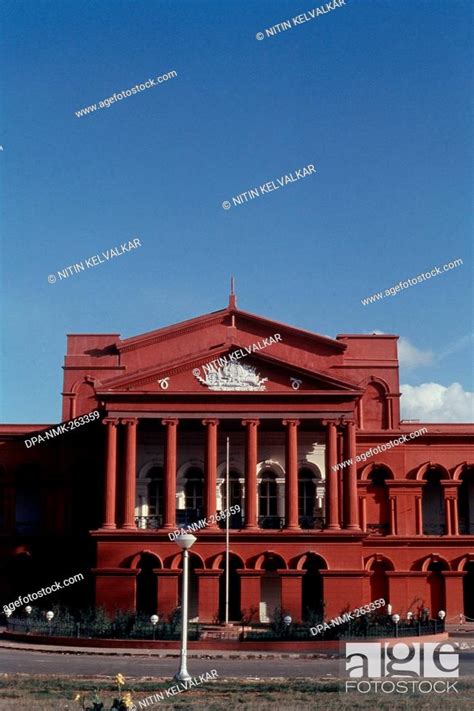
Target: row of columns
<point x="349" y="494"/>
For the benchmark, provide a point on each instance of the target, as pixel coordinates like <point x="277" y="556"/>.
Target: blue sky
<point x="376" y="94"/>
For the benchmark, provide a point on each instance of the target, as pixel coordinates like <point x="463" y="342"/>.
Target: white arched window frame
<point x="275" y="467"/>
<point x="149" y="503"/>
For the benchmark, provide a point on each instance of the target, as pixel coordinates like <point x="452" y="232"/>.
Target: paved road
<point x="18" y="661"/>
<point x="26" y="662"/>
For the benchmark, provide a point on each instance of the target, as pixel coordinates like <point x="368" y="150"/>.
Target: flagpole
<point x="227" y="520"/>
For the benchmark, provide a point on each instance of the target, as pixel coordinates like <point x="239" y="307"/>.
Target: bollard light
<point x="396" y="620"/>
<point x="184" y="541"/>
<point x="28" y="610"/>
<point x="49" y="617"/>
<point x="154" y="619"/>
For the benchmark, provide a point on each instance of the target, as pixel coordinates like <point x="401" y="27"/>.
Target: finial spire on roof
<point x="232" y="297"/>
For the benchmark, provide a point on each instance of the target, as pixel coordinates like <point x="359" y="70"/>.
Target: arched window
<point x="155" y="491"/>
<point x="268" y="501"/>
<point x="378" y="512"/>
<point x="306" y="493"/>
<point x="432" y="501"/>
<point x="267" y="495"/>
<point x="235" y="498"/>
<point x="306" y="498"/>
<point x="193" y="491"/>
<point x="235" y="490"/>
<point x="374" y="407"/>
<point x="466" y="502"/>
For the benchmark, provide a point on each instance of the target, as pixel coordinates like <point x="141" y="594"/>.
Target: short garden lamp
<point x="28" y="610"/>
<point x="49" y="617"/>
<point x="154" y="619"/>
<point x="396" y="620"/>
<point x="441" y="615"/>
<point x="184" y="541"/>
<point x="389" y="608"/>
<point x="8" y="614"/>
<point x="410" y="616"/>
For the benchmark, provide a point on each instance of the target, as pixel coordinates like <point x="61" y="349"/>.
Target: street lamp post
<point x="185" y="541"/>
<point x="154" y="619"/>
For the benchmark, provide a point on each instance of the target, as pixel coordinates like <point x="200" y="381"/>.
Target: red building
<point x="102" y="499"/>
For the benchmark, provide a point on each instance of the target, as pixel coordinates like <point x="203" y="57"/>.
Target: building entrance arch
<point x="437" y="588"/>
<point x="147" y="584"/>
<point x="270" y="589"/>
<point x="312" y="597"/>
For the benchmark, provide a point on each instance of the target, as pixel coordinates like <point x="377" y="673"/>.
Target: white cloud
<point x="432" y="402"/>
<point x="409" y="356"/>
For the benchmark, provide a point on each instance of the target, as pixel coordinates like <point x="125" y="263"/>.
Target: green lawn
<point x="19" y="692"/>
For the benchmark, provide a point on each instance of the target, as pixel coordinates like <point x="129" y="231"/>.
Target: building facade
<point x="325" y="522"/>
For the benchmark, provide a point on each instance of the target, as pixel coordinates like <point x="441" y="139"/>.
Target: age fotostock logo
<point x="410" y="663"/>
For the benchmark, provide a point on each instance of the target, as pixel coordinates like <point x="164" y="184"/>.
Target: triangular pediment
<point x="230" y="368"/>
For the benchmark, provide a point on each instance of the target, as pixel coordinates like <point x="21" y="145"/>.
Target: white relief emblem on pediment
<point x="232" y="376"/>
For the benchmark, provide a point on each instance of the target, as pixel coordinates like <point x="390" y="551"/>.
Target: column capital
<point x="293" y="423"/>
<point x="133" y="421"/>
<point x="254" y="422"/>
<point x="110" y="421"/>
<point x="171" y="421"/>
<point x="210" y="422"/>
<point x="327" y="422"/>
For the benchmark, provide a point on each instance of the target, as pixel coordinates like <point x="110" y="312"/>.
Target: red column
<point x="454" y="592"/>
<point x="170" y="473"/>
<point x="291" y="592"/>
<point x="211" y="467"/>
<point x="419" y="516"/>
<point x="115" y="588"/>
<point x="363" y="513"/>
<point x="455" y="519"/>
<point x="393" y="517"/>
<point x="339" y="476"/>
<point x="350" y="480"/>
<point x="447" y="514"/>
<point x="250" y="593"/>
<point x="208" y="594"/>
<point x="332" y="484"/>
<point x="291" y="466"/>
<point x="251" y="473"/>
<point x="167" y="590"/>
<point x="110" y="486"/>
<point x="130" y="472"/>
